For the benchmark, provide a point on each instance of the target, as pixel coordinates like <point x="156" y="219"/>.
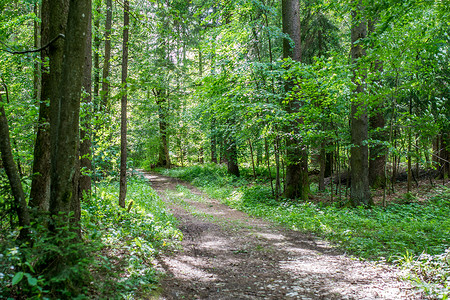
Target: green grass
<point x="114" y="259"/>
<point x="393" y="233"/>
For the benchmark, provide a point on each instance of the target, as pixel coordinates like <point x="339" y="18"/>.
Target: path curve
<point x="227" y="254"/>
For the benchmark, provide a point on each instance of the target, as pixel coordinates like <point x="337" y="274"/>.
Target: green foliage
<point x="55" y="264"/>
<point x="135" y="237"/>
<point x="112" y="260"/>
<point x="430" y="273"/>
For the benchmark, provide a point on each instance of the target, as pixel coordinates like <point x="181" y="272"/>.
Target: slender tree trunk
<point x="322" y="163"/>
<point x="359" y="158"/>
<point x="297" y="183"/>
<point x="164" y="158"/>
<point x="445" y="154"/>
<point x="277" y="167"/>
<point x="266" y="147"/>
<point x="123" y="114"/>
<point x="97" y="43"/>
<point x="107" y="63"/>
<point x="213" y="141"/>
<point x="13" y="174"/>
<point x="85" y="183"/>
<point x="252" y="157"/>
<point x="37" y="65"/>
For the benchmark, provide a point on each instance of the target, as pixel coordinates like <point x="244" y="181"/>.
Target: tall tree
<point x="54" y="21"/>
<point x="297" y="184"/>
<point x="359" y="152"/>
<point x="123" y="111"/>
<point x="377" y="153"/>
<point x="65" y="112"/>
<point x="13" y="173"/>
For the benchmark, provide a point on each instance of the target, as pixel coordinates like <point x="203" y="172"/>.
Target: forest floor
<point x="226" y="254"/>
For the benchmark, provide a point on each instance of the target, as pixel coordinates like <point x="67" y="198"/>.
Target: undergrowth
<point x="413" y="235"/>
<point x="112" y="261"/>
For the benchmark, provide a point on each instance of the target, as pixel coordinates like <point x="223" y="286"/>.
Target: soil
<point x="226" y="254"/>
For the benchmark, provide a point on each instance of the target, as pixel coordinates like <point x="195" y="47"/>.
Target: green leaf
<point x="17" y="278"/>
<point x="31" y="280"/>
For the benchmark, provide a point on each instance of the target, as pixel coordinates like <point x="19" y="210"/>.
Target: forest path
<point x="226" y="254"/>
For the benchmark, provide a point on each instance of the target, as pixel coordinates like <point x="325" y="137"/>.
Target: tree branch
<point x="34" y="50"/>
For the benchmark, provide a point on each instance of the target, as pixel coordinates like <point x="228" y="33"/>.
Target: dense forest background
<point x="333" y="102"/>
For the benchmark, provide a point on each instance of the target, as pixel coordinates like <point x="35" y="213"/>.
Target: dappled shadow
<point x="234" y="256"/>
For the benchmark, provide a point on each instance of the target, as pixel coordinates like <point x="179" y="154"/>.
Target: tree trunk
<point x="97" y="43"/>
<point x="54" y="19"/>
<point x="232" y="157"/>
<point x="65" y="114"/>
<point x="359" y="152"/>
<point x="107" y="63"/>
<point x="322" y="163"/>
<point x="213" y="142"/>
<point x="161" y="101"/>
<point x="123" y="110"/>
<point x="13" y="174"/>
<point x="37" y="65"/>
<point x="252" y="157"/>
<point x="85" y="184"/>
<point x="377" y="153"/>
<point x="297" y="183"/>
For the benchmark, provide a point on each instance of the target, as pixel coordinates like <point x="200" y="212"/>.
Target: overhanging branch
<point x="34" y="50"/>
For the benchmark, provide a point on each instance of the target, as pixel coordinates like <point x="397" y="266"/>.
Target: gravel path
<point x="228" y="255"/>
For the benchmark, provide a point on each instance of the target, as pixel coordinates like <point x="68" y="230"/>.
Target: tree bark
<point x="66" y="108"/>
<point x="161" y="101"/>
<point x="232" y="157"/>
<point x="13" y="174"/>
<point x="123" y="110"/>
<point x="54" y="20"/>
<point x="297" y="183"/>
<point x="359" y="152"/>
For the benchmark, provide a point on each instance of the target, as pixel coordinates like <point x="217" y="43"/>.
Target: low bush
<point x="113" y="259"/>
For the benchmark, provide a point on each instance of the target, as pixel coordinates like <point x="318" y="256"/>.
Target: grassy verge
<point x="114" y="259"/>
<point x="414" y="235"/>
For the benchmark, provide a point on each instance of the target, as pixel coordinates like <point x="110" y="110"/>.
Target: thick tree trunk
<point x="377" y="159"/>
<point x="232" y="157"/>
<point x="54" y="20"/>
<point x="297" y="183"/>
<point x="66" y="108"/>
<point x="123" y="110"/>
<point x="85" y="132"/>
<point x="377" y="153"/>
<point x="13" y="174"/>
<point x="359" y="152"/>
<point x="107" y="62"/>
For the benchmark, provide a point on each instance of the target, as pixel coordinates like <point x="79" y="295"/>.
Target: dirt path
<point x="228" y="255"/>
